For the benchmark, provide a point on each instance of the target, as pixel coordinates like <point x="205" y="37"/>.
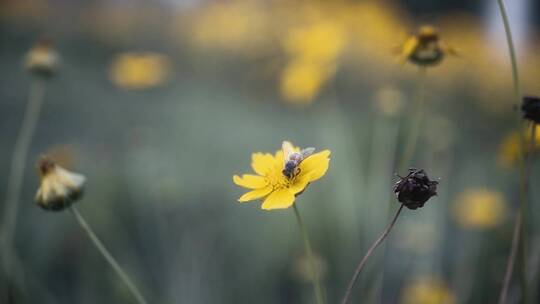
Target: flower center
<point x="279" y="181"/>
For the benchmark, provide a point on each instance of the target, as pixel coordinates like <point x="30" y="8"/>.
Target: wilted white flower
<point x="42" y="59"/>
<point x="59" y="187"/>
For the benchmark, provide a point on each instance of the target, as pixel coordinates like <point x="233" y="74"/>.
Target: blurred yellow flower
<point x="427" y="290"/>
<point x="321" y="42"/>
<point x="271" y="184"/>
<point x="375" y="27"/>
<point x="301" y="81"/>
<point x="139" y="70"/>
<point x="510" y="148"/>
<point x="479" y="208"/>
<point x="313" y="50"/>
<point x="231" y="25"/>
<point x="425" y="48"/>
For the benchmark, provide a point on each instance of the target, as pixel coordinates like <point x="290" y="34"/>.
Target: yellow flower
<point x="320" y="42"/>
<point x="139" y="70"/>
<point x="479" y="208"/>
<point x="301" y="81"/>
<point x="428" y="290"/>
<point x="313" y="50"/>
<point x="510" y="148"/>
<point x="425" y="48"/>
<point x="270" y="183"/>
<point x="238" y="26"/>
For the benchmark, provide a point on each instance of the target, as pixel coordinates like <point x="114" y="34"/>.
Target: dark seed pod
<point x="531" y="108"/>
<point x="415" y="189"/>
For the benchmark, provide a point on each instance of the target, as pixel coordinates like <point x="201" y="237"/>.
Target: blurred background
<point x="159" y="103"/>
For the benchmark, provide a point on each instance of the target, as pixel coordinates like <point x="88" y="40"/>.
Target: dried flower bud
<point x="42" y="59"/>
<point x="531" y="109"/>
<point x="415" y="189"/>
<point x="59" y="187"/>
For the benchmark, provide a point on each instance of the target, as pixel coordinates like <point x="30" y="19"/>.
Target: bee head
<point x="290" y="165"/>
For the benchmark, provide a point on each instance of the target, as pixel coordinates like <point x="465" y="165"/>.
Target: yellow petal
<point x="300" y="183"/>
<point x="408" y="48"/>
<point x="315" y="166"/>
<point x="250" y="181"/>
<point x="262" y="163"/>
<point x="255" y="194"/>
<point x="279" y="199"/>
<point x="279" y="159"/>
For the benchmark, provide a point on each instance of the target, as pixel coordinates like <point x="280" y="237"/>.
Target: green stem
<point x="522" y="221"/>
<point x="518" y="225"/>
<point x="110" y="259"/>
<point x="368" y="254"/>
<point x="316" y="280"/>
<point x="18" y="161"/>
<point x="416" y="121"/>
<point x="511" y="260"/>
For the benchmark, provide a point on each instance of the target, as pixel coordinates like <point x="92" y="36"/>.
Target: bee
<point x="293" y="159"/>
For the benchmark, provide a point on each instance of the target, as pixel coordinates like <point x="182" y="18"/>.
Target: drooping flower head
<point x="425" y="48"/>
<point x="42" y="59"/>
<point x="59" y="188"/>
<point x="415" y="189"/>
<point x="282" y="176"/>
<point x="531" y="109"/>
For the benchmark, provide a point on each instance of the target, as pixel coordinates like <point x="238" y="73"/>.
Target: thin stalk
<point x="105" y="253"/>
<point x="518" y="225"/>
<point x="511" y="260"/>
<point x="523" y="188"/>
<point x="411" y="138"/>
<point x="368" y="254"/>
<point x="316" y="281"/>
<point x="18" y="160"/>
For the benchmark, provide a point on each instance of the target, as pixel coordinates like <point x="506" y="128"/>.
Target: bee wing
<point x="307" y="152"/>
<point x="408" y="48"/>
<point x="288" y="149"/>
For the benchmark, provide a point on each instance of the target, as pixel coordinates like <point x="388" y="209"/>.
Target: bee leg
<point x="286" y="173"/>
